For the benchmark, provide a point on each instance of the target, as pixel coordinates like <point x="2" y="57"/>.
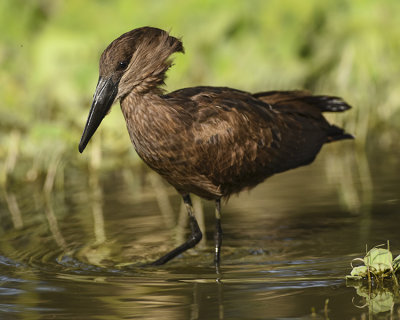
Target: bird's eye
<point x="122" y="65"/>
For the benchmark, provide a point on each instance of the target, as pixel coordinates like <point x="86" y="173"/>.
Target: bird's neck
<point x="145" y="107"/>
<point x="149" y="118"/>
<point x="138" y="102"/>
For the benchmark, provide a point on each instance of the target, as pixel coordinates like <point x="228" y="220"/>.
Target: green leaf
<point x="396" y="263"/>
<point x="360" y="271"/>
<point x="380" y="260"/>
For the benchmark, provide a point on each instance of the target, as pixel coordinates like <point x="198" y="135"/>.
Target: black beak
<point x="103" y="98"/>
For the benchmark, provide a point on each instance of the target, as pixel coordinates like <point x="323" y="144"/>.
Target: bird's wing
<point x="303" y="101"/>
<point x="234" y="139"/>
<point x="236" y="136"/>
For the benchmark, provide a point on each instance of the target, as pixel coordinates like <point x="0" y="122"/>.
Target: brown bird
<point x="210" y="141"/>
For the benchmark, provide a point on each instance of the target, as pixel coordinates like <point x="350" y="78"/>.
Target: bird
<point x="209" y="141"/>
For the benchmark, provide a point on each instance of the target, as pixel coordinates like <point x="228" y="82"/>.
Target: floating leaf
<point x="378" y="265"/>
<point x="360" y="271"/>
<point x="396" y="264"/>
<point x="380" y="260"/>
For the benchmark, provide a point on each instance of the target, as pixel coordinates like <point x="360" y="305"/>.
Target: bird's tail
<point x="303" y="102"/>
<point x="335" y="133"/>
<point x="330" y="104"/>
<point x="326" y="103"/>
<point x="302" y="99"/>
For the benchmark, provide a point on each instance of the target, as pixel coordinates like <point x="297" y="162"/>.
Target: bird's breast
<point x="156" y="132"/>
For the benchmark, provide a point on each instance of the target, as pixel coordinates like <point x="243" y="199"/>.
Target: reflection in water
<point x="96" y="194"/>
<point x="14" y="210"/>
<point x="377" y="300"/>
<point x="78" y="249"/>
<point x="52" y="221"/>
<point x="162" y="199"/>
<point x="47" y="194"/>
<point x="8" y="169"/>
<point x="351" y="173"/>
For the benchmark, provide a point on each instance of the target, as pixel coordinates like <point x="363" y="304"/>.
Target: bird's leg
<point x="194" y="238"/>
<point x="218" y="233"/>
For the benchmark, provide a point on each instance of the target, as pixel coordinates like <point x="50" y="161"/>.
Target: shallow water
<point x="80" y="251"/>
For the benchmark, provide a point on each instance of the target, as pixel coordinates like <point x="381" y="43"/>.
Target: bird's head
<point x="136" y="61"/>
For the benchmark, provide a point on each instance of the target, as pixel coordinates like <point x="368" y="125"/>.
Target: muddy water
<point x="79" y="251"/>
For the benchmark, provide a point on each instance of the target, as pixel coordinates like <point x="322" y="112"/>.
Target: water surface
<point x="80" y="250"/>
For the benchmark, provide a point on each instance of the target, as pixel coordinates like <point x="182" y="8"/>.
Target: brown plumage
<point x="210" y="141"/>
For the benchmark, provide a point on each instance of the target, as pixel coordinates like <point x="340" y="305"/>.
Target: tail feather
<point x="335" y="133"/>
<point x="327" y="103"/>
<point x="285" y="98"/>
<point x="305" y="104"/>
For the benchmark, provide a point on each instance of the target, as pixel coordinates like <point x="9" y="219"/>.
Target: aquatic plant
<point x="379" y="265"/>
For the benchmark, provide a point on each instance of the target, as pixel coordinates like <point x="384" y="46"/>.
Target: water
<point x="79" y="252"/>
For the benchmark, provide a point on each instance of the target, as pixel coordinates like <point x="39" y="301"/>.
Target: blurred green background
<point x="49" y="51"/>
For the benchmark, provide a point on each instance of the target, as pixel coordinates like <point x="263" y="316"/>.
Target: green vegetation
<point x="49" y="52"/>
<point x="377" y="280"/>
<point x="378" y="266"/>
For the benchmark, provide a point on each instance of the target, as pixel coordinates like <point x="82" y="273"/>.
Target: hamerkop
<point x="210" y="141"/>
